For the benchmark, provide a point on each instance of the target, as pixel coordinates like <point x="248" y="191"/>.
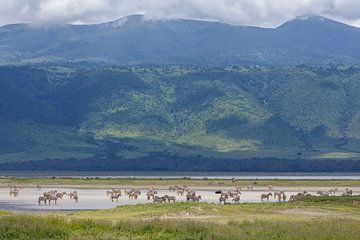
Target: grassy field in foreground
<point x="312" y="218"/>
<point x="170" y="182"/>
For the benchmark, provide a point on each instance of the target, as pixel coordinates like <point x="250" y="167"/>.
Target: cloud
<point x="266" y="13"/>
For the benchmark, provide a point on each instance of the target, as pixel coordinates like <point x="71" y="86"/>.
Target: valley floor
<point x="335" y="217"/>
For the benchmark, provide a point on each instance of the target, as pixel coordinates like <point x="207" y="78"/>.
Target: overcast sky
<point x="267" y="13"/>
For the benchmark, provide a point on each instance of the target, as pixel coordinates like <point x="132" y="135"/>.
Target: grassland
<point x="312" y="218"/>
<point x="168" y="182"/>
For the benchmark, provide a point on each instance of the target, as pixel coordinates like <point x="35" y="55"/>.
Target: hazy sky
<point x="267" y="13"/>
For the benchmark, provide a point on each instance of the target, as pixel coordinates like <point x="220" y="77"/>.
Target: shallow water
<point x="92" y="199"/>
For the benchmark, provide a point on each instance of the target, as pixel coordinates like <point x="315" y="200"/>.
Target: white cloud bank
<point x="267" y="13"/>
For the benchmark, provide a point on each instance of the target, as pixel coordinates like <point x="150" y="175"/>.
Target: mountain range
<point x="135" y="40"/>
<point x="180" y="94"/>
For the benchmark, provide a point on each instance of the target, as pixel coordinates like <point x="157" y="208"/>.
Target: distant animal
<point x="42" y="199"/>
<point x="292" y="198"/>
<point x="347" y="192"/>
<point x="233" y="194"/>
<point x="333" y="190"/>
<point x="322" y="193"/>
<point x="298" y="196"/>
<point x="278" y="194"/>
<point x="225" y="195"/>
<point x="180" y="192"/>
<point x="138" y="192"/>
<point x="189" y="196"/>
<point x="157" y="199"/>
<point x="60" y="195"/>
<point x="150" y="194"/>
<point x="284" y="197"/>
<point x="52" y="198"/>
<point x="171" y="198"/>
<point x="115" y="196"/>
<point x="265" y="196"/>
<point x="222" y="199"/>
<point x="133" y="195"/>
<point x="113" y="191"/>
<point x="14" y="193"/>
<point x="236" y="199"/>
<point x="196" y="198"/>
<point x="191" y="191"/>
<point x="72" y="195"/>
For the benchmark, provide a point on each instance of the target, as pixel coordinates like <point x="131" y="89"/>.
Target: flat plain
<point x="313" y="217"/>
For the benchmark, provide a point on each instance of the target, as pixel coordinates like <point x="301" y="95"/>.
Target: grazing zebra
<point x="42" y="199"/>
<point x="278" y="194"/>
<point x="171" y="198"/>
<point x="150" y="194"/>
<point x="72" y="195"/>
<point x="322" y="193"/>
<point x="333" y="190"/>
<point x="133" y="195"/>
<point x="265" y="196"/>
<point x="189" y="196"/>
<point x="196" y="198"/>
<point x="158" y="199"/>
<point x="115" y="196"/>
<point x="348" y="192"/>
<point x="60" y="195"/>
<point x="225" y="195"/>
<point x="14" y="193"/>
<point x="222" y="199"/>
<point x="180" y="192"/>
<point x="233" y="194"/>
<point x="236" y="199"/>
<point x="52" y="198"/>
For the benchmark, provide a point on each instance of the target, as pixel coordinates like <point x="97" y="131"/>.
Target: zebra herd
<point x="182" y="193"/>
<point x="46" y="197"/>
<point x="152" y="194"/>
<point x="226" y="197"/>
<point x="54" y="196"/>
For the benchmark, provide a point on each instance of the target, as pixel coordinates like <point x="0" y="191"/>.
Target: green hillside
<point x="82" y="112"/>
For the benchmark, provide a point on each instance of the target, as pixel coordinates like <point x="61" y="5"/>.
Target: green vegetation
<point x="48" y="228"/>
<point x="298" y="220"/>
<point x="171" y="182"/>
<point x="93" y="112"/>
